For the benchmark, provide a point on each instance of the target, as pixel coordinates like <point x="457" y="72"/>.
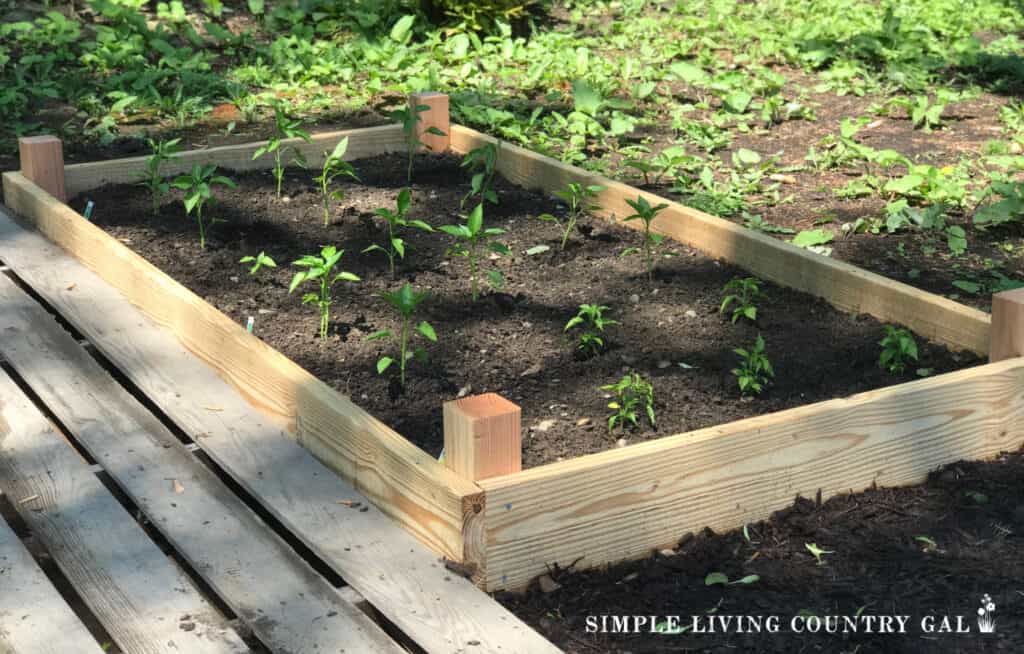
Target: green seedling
<point x="722" y="579"/>
<point x="160" y="151"/>
<point x="633" y="394"/>
<point x="396" y="221"/>
<point x="482" y="162"/>
<point x="334" y="166"/>
<point x="646" y="213"/>
<point x="577" y="197"/>
<point x="817" y="552"/>
<point x="261" y="260"/>
<point x="198" y="186"/>
<point x="408" y="117"/>
<point x="284" y="128"/>
<point x="591" y="319"/>
<point x="741" y="294"/>
<point x="320" y="268"/>
<point x="405" y="301"/>
<point x="755" y="370"/>
<point x="471" y="238"/>
<point x="898" y="348"/>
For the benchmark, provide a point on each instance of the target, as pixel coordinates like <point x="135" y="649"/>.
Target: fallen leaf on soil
<point x="547" y="584"/>
<point x="177" y="487"/>
<point x="349" y="503"/>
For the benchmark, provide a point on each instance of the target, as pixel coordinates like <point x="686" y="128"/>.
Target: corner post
<point x="482" y="436"/>
<point x="436" y="116"/>
<point x="42" y="162"/>
<point x="1006" y="336"/>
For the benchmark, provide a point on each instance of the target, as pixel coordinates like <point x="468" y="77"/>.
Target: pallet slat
<point x="139" y="596"/>
<point x="34" y="619"/>
<point x="396" y="574"/>
<point x="288" y="605"/>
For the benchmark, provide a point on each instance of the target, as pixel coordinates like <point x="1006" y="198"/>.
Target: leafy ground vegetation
<point x="886" y="133"/>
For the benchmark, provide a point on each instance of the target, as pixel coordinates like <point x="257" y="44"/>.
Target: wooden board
<point x="363" y="142"/>
<point x="623" y="503"/>
<point x="289" y="607"/>
<point x="34" y="618"/>
<point x="402" y="579"/>
<point x="843" y="285"/>
<point x="405" y="482"/>
<point x="139" y="595"/>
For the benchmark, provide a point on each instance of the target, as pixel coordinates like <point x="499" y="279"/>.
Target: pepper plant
<point x="646" y="213"/>
<point x="898" y="348"/>
<point x="408" y="117"/>
<point x="160" y="151"/>
<point x="470" y="238"/>
<point x="482" y="162"/>
<point x="405" y="301"/>
<point x="741" y="294"/>
<point x="284" y="128"/>
<point x="334" y="166"/>
<point x="591" y="319"/>
<point x="320" y="268"/>
<point x="755" y="370"/>
<point x="396" y="220"/>
<point x="198" y="186"/>
<point x="632" y="395"/>
<point x="578" y="197"/>
<point x="261" y="260"/>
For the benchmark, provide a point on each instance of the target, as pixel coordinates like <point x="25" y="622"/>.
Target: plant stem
<point x="472" y="275"/>
<point x="278" y="171"/>
<point x="405" y="339"/>
<point x="327" y="201"/>
<point x="202" y="231"/>
<point x="325" y="306"/>
<point x="568" y="229"/>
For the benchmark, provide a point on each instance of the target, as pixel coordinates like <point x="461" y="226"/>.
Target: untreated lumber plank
<point x="1007" y="325"/>
<point x="405" y="482"/>
<point x="399" y="576"/>
<point x="483" y="436"/>
<point x="623" y="503"/>
<point x="42" y="161"/>
<point x="34" y="618"/>
<point x="289" y="606"/>
<point x="841" y="284"/>
<point x="362" y="142"/>
<point x="143" y="600"/>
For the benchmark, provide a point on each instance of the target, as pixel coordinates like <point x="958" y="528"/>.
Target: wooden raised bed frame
<point x="604" y="507"/>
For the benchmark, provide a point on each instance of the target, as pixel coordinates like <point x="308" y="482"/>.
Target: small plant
<point x="160" y="151"/>
<point x="633" y="394"/>
<point x="405" y="301"/>
<point x="755" y="370"/>
<point x="591" y="318"/>
<point x="817" y="552"/>
<point x="285" y="128"/>
<point x="482" y="162"/>
<point x="470" y="238"/>
<point x="320" y="267"/>
<point x="741" y="294"/>
<point x="408" y="117"/>
<point x="898" y="348"/>
<point x="646" y="213"/>
<point x="396" y="220"/>
<point x="198" y="186"/>
<point x="261" y="260"/>
<point x="334" y="166"/>
<point x="578" y="197"/>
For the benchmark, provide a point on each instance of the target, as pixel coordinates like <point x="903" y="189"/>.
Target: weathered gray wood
<point x="141" y="597"/>
<point x="34" y="619"/>
<point x="405" y="582"/>
<point x="288" y="605"/>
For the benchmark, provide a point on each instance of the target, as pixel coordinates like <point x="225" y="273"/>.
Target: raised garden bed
<point x="619" y="503"/>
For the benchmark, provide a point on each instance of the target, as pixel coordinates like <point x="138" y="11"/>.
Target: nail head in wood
<point x="42" y="161"/>
<point x="482" y="436"/>
<point x="436" y="116"/>
<point x="1006" y="336"/>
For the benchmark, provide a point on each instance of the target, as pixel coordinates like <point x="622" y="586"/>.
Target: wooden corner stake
<point x="42" y="162"/>
<point x="482" y="436"/>
<point x="1006" y="336"/>
<point x="436" y="116"/>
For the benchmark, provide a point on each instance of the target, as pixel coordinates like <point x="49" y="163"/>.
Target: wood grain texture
<point x="34" y="618"/>
<point x="843" y="285"/>
<point x="362" y="142"/>
<point x="402" y="579"/>
<point x="140" y="596"/>
<point x="1007" y="325"/>
<point x="289" y="607"/>
<point x="623" y="503"/>
<point x="405" y="482"/>
<point x="483" y="436"/>
<point x="42" y="161"/>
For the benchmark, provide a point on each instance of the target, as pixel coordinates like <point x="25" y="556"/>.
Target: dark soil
<point x="511" y="342"/>
<point x="928" y="550"/>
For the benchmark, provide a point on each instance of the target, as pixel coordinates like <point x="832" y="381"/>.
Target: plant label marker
<point x="88" y="210"/>
<point x="1006" y="338"/>
<point x="482" y="436"/>
<point x="42" y="161"/>
<point x="436" y="116"/>
<point x="249" y="324"/>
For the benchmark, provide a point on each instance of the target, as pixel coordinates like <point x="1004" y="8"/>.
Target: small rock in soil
<point x="543" y="425"/>
<point x="583" y="422"/>
<point x="622" y="442"/>
<point x="634" y="298"/>
<point x="664" y="364"/>
<point x="547" y="584"/>
<point x="532" y="370"/>
<point x="465" y="390"/>
<point x="690" y="313"/>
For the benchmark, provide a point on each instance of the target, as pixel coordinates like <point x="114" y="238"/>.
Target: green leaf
<point x="347" y="276"/>
<point x="737" y="101"/>
<point x="427" y="331"/>
<point x="495" y="278"/>
<point x="714" y="578"/>
<point x="812" y="237"/>
<point x="383" y="363"/>
<point x="586" y="99"/>
<point x="964" y="285"/>
<point x="903" y="185"/>
<point x="402" y="28"/>
<point x="689" y="73"/>
<point x="749" y="579"/>
<point x="379" y="335"/>
<point x="296" y="280"/>
<point x="475" y="220"/>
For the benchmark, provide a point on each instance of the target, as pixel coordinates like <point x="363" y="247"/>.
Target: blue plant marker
<point x="249" y="324"/>
<point x="88" y="210"/>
